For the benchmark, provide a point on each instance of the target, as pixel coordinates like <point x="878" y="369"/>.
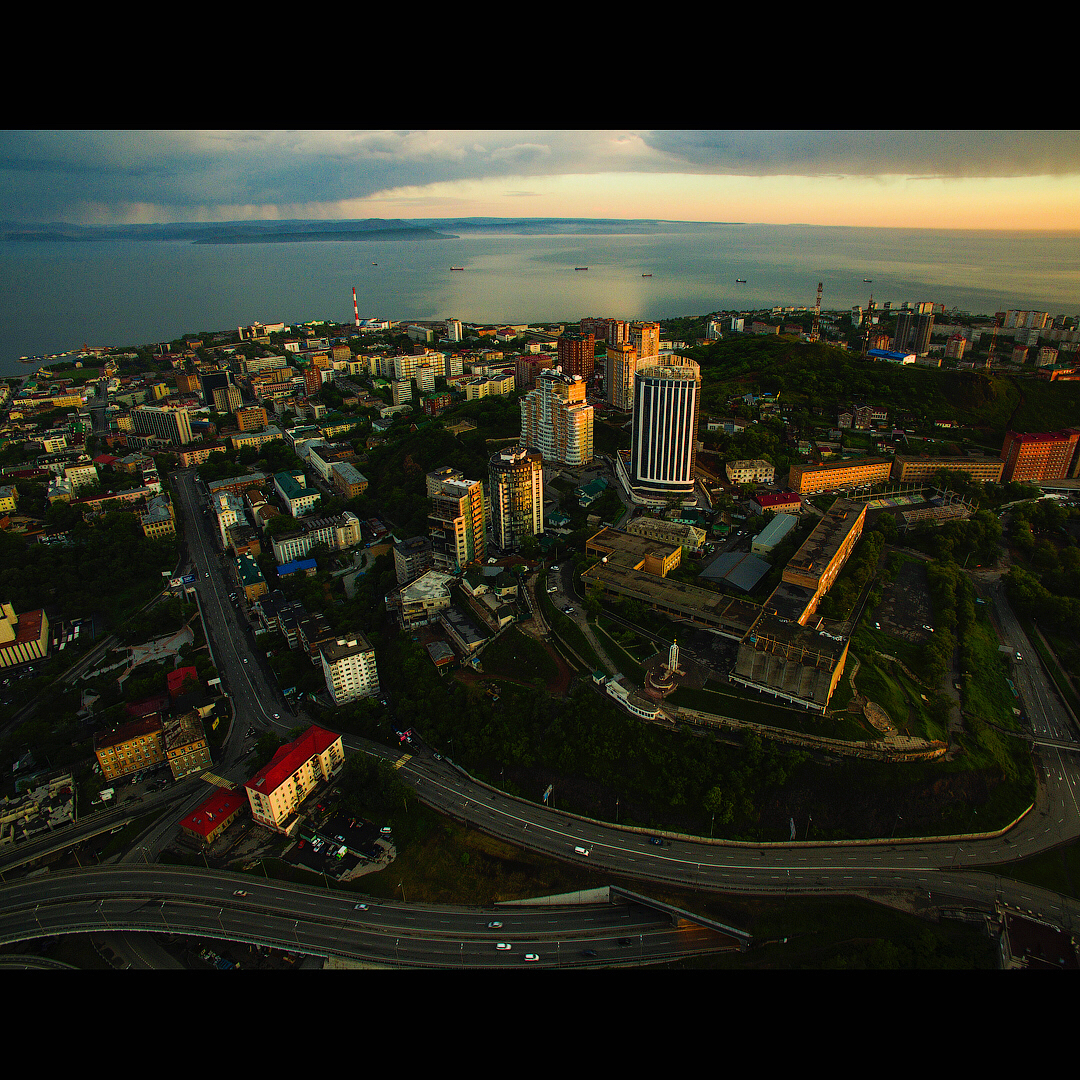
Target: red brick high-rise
<point x="1039" y="456"/>
<point x="577" y="354"/>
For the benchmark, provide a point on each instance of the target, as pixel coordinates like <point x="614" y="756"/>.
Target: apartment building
<point x="556" y="420"/>
<point x="130" y="747"/>
<point x="1037" y="456"/>
<point x="457" y="521"/>
<point x="911" y="469"/>
<point x="186" y="748"/>
<point x="349" y="668"/>
<point x="276" y="791"/>
<point x="812" y="479"/>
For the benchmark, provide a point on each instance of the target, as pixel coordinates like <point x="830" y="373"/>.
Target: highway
<point x="947" y="872"/>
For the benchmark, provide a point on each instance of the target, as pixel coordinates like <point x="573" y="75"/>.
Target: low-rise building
<point x="130" y="747"/>
<point x="687" y="536"/>
<point x="299" y="499"/>
<point x="756" y="471"/>
<point x="186" y="749"/>
<point x="213" y="817"/>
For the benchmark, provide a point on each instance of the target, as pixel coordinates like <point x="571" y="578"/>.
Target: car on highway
<point x="656" y="840"/>
<point x="1019" y="658"/>
<point x="626" y="941"/>
<point x="503" y="946"/>
<point x="360" y="907"/>
<point x="494" y="925"/>
<point x="206" y="575"/>
<point x="240" y="892"/>
<point x="277" y="716"/>
<point x="588" y="952"/>
<point x="244" y="659"/>
<point x="530" y="956"/>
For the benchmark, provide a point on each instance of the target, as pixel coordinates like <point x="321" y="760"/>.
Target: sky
<point x="947" y="179"/>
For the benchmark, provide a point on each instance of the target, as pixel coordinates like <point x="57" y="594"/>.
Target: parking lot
<point x="341" y="847"/>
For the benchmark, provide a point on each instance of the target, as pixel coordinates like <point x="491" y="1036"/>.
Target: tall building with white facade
<point x="667" y="398"/>
<point x="555" y="419"/>
<point x="171" y="424"/>
<point x="515" y="496"/>
<point x="348" y="665"/>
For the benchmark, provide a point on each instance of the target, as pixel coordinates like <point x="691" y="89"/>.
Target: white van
<point x="581" y="850"/>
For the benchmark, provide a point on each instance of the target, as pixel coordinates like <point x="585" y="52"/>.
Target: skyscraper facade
<point x="645" y="337"/>
<point x="1037" y="456"/>
<point x="515" y="496"/>
<point x="577" y="354"/>
<point x="555" y="419"/>
<point x="456" y="522"/>
<point x="667" y="398"/>
<point x="619" y="378"/>
<point x="171" y="424"/>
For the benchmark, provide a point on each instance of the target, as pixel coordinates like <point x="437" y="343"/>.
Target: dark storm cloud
<point x="965" y="153"/>
<point x="184" y="175"/>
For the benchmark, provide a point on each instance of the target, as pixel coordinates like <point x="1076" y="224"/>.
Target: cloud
<point x="202" y="174"/>
<point x="965" y="153"/>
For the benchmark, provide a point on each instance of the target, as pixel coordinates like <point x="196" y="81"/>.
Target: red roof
<point x="177" y="678"/>
<point x="146" y="726"/>
<point x="291" y="757"/>
<point x="147" y="705"/>
<point x="206" y="817"/>
<point x="783" y="498"/>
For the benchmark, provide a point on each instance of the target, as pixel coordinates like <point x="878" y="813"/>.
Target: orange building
<point x="810" y="479"/>
<point x="131" y="747"/>
<point x="1039" y="455"/>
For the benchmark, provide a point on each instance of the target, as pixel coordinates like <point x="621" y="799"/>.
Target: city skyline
<point x="938" y="179"/>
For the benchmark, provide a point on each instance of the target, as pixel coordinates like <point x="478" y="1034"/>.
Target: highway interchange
<point x="136" y="894"/>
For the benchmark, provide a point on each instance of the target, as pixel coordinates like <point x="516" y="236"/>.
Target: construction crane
<point x="815" y="331"/>
<point x="869" y="319"/>
<point x="993" y="342"/>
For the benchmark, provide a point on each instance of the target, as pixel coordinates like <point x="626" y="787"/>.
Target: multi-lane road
<point x="948" y="872"/>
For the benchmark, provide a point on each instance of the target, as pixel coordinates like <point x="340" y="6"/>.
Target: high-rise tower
<point x="667" y="397"/>
<point x="515" y="496"/>
<point x="555" y="419"/>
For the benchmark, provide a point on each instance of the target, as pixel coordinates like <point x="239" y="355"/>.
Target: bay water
<point x="58" y="295"/>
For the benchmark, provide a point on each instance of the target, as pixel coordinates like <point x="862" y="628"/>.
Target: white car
<point x="503" y="947"/>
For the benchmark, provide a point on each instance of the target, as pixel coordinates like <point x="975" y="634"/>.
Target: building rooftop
<point x="291" y="757"/>
<point x="206" y="817"/>
<point x="821" y="546"/>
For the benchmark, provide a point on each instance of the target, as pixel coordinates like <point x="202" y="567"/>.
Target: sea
<point x="60" y="295"/>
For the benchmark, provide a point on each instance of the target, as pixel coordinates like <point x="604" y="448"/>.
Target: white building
<point x="349" y="668"/>
<point x="756" y="471"/>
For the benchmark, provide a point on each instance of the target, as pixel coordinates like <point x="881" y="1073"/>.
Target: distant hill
<point x="229" y="232"/>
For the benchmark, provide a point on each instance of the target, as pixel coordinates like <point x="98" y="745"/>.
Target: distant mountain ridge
<point x="229" y="232"/>
<point x="299" y="231"/>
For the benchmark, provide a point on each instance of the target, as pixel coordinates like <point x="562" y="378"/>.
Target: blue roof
<point x="295" y="565"/>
